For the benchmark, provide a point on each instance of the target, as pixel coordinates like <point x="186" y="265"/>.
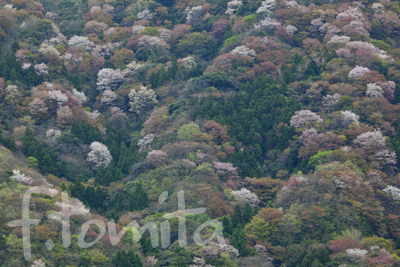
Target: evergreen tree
<point x="237" y="217"/>
<point x="316" y="263"/>
<point x="64" y="70"/>
<point x="239" y="241"/>
<point x="398" y="243"/>
<point x="396" y="99"/>
<point x="76" y="130"/>
<point x="27" y="140"/>
<point x="228" y="229"/>
<point x="228" y="31"/>
<point x="114" y="151"/>
<point x="287" y="74"/>
<point x="13" y="75"/>
<point x="63" y="187"/>
<point x="31" y="78"/>
<point x="91" y="197"/>
<point x="147" y="247"/>
<point x="247" y="213"/>
<point x="78" y="190"/>
<point x="15" y="46"/>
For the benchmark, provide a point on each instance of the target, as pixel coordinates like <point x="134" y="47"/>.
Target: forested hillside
<point x="281" y="118"/>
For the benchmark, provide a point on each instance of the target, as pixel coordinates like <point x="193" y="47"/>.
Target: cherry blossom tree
<point x="266" y="6"/>
<point x="331" y="100"/>
<point x="165" y="34"/>
<point x="387" y="157"/>
<point x="371" y="141"/>
<point x="388" y="89"/>
<point x="291" y="29"/>
<point x="267" y="24"/>
<point x="374" y="91"/>
<point x="142" y="99"/>
<point x="109" y="10"/>
<point x="145" y="142"/>
<point x="356" y="252"/>
<point x="99" y="155"/>
<point x="136" y="29"/>
<point x="233" y="7"/>
<point x="302" y="117"/>
<point x="187" y="62"/>
<point x="58" y="96"/>
<point x="145" y="15"/>
<point x="147" y="40"/>
<point x="108" y="97"/>
<point x="243" y="50"/>
<point x="64" y="117"/>
<point x="245" y="195"/>
<point x="95" y="27"/>
<point x="318" y="27"/>
<point x="109" y="79"/>
<point x="393" y="192"/>
<point x="343" y="52"/>
<point x="376" y="179"/>
<point x="41" y="69"/>
<point x="358" y="71"/>
<point x="194" y="14"/>
<point x="39" y="262"/>
<point x="118" y="117"/>
<point x="378" y="8"/>
<point x="339" y="39"/>
<point x="134" y="67"/>
<point x="352" y="13"/>
<point x="104" y="51"/>
<point x="156" y="157"/>
<point x="53" y="134"/>
<point x="81" y="41"/>
<point x="37" y="106"/>
<point x="93" y="115"/>
<point x="12" y="91"/>
<point x="21" y="178"/>
<point x="348" y="118"/>
<point x="80" y="95"/>
<point x="48" y="49"/>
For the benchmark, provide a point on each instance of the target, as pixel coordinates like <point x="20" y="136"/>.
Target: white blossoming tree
<point x="109" y="79"/>
<point x="266" y="6"/>
<point x="99" y="155"/>
<point x="142" y="99"/>
<point x="81" y="41"/>
<point x="41" y="69"/>
<point x="243" y="50"/>
<point x="58" y="96"/>
<point x="348" y="118"/>
<point x="358" y="71"/>
<point x="145" y="14"/>
<point x="245" y="195"/>
<point x="108" y="97"/>
<point x="374" y="91"/>
<point x="53" y="134"/>
<point x="302" y="117"/>
<point x="80" y="95"/>
<point x="21" y="178"/>
<point x="393" y="192"/>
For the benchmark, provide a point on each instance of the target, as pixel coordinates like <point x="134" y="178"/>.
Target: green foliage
<point x="32" y="162"/>
<point x="152" y="31"/>
<point x="230" y="40"/>
<point x="345" y="103"/>
<point x="218" y="80"/>
<point x="259" y="228"/>
<point x="250" y="19"/>
<point x="239" y="241"/>
<point x="186" y="131"/>
<point x="320" y="158"/>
